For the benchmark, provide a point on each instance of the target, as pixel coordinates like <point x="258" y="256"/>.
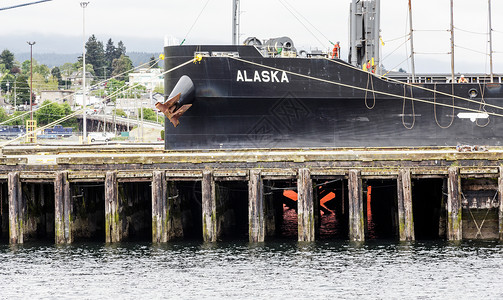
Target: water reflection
<point x="241" y="270"/>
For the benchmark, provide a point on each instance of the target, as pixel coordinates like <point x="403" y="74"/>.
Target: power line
<point x="24" y="4"/>
<point x="472" y="32"/>
<point x="302" y="23"/>
<point x="193" y="24"/>
<point x="472" y="50"/>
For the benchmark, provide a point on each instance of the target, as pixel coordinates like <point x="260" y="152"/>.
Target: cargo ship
<point x="267" y="94"/>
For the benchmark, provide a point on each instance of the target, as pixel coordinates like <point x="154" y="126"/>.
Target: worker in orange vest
<point x="336" y="53"/>
<point x="462" y="79"/>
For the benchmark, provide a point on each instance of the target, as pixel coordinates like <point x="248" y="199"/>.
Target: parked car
<point x="100" y="136"/>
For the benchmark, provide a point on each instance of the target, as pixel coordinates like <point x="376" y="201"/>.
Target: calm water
<point x="239" y="270"/>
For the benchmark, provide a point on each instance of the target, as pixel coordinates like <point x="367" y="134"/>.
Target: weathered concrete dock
<point x="117" y="192"/>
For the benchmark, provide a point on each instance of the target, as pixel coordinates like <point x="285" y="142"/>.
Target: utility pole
<point x="137" y="118"/>
<point x="142" y="132"/>
<point x="31" y="126"/>
<point x="235" y="21"/>
<point x="31" y="79"/>
<point x="15" y="95"/>
<point x="7" y="93"/>
<point x="84" y="121"/>
<point x="103" y="106"/>
<point x="490" y="42"/>
<point x="452" y="40"/>
<point x="413" y="66"/>
<point x="114" y="116"/>
<point x="128" y="114"/>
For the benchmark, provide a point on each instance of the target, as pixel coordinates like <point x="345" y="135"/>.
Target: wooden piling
<point x="16" y="209"/>
<point x="405" y="216"/>
<point x="256" y="218"/>
<point x="500" y="194"/>
<point x="305" y="206"/>
<point x="356" y="221"/>
<point x="173" y="211"/>
<point x="271" y="210"/>
<point x="113" y="222"/>
<point x="454" y="208"/>
<point x="62" y="209"/>
<point x="209" y="207"/>
<point x="159" y="198"/>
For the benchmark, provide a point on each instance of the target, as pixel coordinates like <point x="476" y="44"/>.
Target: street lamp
<point x="84" y="123"/>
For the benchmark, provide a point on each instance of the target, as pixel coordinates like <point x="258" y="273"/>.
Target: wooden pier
<point x="116" y="193"/>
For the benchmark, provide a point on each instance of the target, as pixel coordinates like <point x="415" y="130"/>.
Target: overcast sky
<point x="142" y="24"/>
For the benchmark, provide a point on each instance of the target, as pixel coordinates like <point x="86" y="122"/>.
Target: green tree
<point x="89" y="67"/>
<point x="42" y="84"/>
<point x="95" y="55"/>
<point x="3" y="115"/>
<point x="122" y="66"/>
<point x="49" y="112"/>
<point x="56" y="73"/>
<point x="72" y="122"/>
<point x="148" y="114"/>
<point x="25" y="66"/>
<point x="7" y="58"/>
<point x="18" y="121"/>
<point x="22" y="89"/>
<point x="114" y="85"/>
<point x="42" y="70"/>
<point x="3" y="69"/>
<point x="3" y="84"/>
<point x="67" y="69"/>
<point x="121" y="50"/>
<point x="110" y="55"/>
<point x="120" y="113"/>
<point x="66" y="108"/>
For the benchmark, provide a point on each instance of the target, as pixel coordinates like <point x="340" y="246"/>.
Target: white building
<point x="59" y="96"/>
<point x="150" y="78"/>
<point x="90" y="100"/>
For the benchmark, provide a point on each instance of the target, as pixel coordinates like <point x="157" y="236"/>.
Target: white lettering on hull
<point x="264" y="76"/>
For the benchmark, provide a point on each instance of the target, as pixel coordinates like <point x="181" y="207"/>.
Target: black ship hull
<point x="251" y="101"/>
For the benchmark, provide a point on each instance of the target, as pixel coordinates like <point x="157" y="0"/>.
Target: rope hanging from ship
<point x="435" y="106"/>
<point x="415" y="86"/>
<point x="413" y="109"/>
<point x="482" y="106"/>
<point x="378" y="92"/>
<point x="369" y="78"/>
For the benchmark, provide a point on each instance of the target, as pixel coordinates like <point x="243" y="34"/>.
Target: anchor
<point x="179" y="101"/>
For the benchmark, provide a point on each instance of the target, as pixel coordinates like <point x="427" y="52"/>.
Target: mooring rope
<point x="95" y="85"/>
<point x="363" y="89"/>
<point x="435" y="108"/>
<point x="482" y="106"/>
<point x="410" y="84"/>
<point x="369" y="78"/>
<point x="403" y="110"/>
<point x="82" y="110"/>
